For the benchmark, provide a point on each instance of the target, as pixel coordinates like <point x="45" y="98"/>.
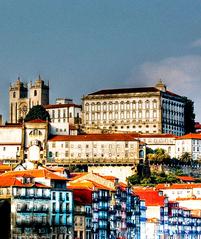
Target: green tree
<point x="158" y="156"/>
<point x="186" y="158"/>
<point x="189" y="116"/>
<point x="37" y="112"/>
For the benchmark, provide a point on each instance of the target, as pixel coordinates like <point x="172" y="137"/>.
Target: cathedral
<point x="23" y="97"/>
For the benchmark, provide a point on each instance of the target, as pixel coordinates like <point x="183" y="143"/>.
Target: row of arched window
<point x="122" y="105"/>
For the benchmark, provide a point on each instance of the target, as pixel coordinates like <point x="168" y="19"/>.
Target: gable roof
<point x="35" y="173"/>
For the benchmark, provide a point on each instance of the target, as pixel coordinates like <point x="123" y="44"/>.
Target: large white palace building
<point x="143" y="110"/>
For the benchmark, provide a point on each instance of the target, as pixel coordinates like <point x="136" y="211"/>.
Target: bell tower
<point x="18" y="93"/>
<point x="39" y="93"/>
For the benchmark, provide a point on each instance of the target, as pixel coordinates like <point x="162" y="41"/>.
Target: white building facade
<point x="64" y="116"/>
<point x="94" y="149"/>
<point x="189" y="143"/>
<point x="144" y="110"/>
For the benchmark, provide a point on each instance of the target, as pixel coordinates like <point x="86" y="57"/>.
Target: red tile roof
<point x="150" y="196"/>
<point x="93" y="137"/>
<point x="7" y="181"/>
<point x="5" y="167"/>
<point x="190" y="136"/>
<point x="36" y="173"/>
<point x="37" y="121"/>
<point x="186" y="178"/>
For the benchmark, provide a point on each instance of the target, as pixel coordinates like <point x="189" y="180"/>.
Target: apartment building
<point x="65" y="116"/>
<point x="115" y="208"/>
<point x="189" y="143"/>
<point x="39" y="205"/>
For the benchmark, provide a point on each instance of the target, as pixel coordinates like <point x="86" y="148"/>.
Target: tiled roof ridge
<point x="50" y="106"/>
<point x="93" y="137"/>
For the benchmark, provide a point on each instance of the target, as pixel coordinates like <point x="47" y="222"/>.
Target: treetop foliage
<point x="37" y="112"/>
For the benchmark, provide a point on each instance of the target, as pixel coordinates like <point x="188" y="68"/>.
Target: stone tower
<point x="18" y="102"/>
<point x="22" y="98"/>
<point x="39" y="93"/>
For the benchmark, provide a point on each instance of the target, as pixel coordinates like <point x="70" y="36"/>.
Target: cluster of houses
<point x="107" y="135"/>
<point x="50" y="202"/>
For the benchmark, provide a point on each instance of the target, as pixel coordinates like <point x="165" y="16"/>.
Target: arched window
<point x="98" y="106"/>
<point x="14" y="94"/>
<point x="104" y="106"/>
<point x="87" y="106"/>
<point x="122" y="105"/>
<point x="147" y="105"/>
<point x="154" y="104"/>
<point x="140" y="104"/>
<point x="92" y="106"/>
<point x="116" y="105"/>
<point x="110" y="106"/>
<point x="35" y="92"/>
<point x="127" y="105"/>
<point x="134" y="105"/>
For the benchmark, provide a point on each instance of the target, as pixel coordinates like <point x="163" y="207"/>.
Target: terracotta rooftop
<point x="150" y="196"/>
<point x="88" y="184"/>
<point x="186" y="178"/>
<point x="190" y="136"/>
<point x="93" y="137"/>
<point x="36" y="121"/>
<point x="36" y="173"/>
<point x="6" y="181"/>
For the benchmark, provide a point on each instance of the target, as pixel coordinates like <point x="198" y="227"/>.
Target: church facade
<point x="23" y="97"/>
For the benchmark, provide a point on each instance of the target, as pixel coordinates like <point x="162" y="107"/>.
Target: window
<point x="54" y="196"/>
<point x="92" y="106"/>
<point x="98" y="106"/>
<point x="116" y="105"/>
<point x="14" y="94"/>
<point x="154" y="104"/>
<point x="35" y="92"/>
<point x="110" y="106"/>
<point x="122" y="105"/>
<point x="104" y="106"/>
<point x="140" y="104"/>
<point x="147" y="104"/>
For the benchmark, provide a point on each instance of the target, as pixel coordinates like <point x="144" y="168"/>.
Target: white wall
<point x="121" y="172"/>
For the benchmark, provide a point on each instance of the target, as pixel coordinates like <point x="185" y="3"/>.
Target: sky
<point x="81" y="46"/>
